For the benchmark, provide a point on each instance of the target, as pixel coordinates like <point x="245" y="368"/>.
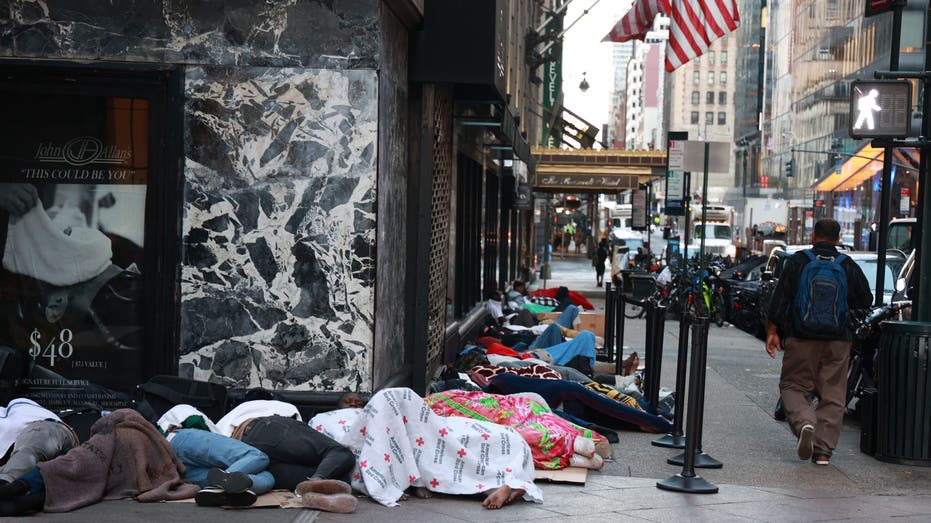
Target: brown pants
<point x="812" y="367"/>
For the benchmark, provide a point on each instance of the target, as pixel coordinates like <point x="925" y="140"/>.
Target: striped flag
<point x="635" y="24"/>
<point x="694" y="25"/>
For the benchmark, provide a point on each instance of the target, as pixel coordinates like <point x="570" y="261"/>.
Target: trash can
<point x="903" y="406"/>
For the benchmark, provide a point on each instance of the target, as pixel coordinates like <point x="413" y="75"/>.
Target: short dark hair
<point x="518" y="283"/>
<point x="827" y="229"/>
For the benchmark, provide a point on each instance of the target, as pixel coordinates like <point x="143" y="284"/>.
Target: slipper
<point x="323" y="486"/>
<point x="340" y="503"/>
<point x="584" y="446"/>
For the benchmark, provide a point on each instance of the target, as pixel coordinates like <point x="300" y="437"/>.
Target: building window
<point x="711" y="57"/>
<point x="709" y="97"/>
<point x="710" y="77"/>
<point x="722" y="118"/>
<point x="696" y="75"/>
<point x="723" y="57"/>
<point x="695" y="117"/>
<point x="723" y="77"/>
<point x="709" y="118"/>
<point x="722" y="97"/>
<point x="695" y="97"/>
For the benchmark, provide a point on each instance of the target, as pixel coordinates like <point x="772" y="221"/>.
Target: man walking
<point x="808" y="320"/>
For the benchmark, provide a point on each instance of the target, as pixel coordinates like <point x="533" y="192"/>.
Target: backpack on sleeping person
<point x="821" y="300"/>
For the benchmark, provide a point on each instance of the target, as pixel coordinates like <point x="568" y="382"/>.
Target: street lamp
<point x="583" y="86"/>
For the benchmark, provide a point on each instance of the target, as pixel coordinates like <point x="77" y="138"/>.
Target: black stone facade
<point x="294" y="170"/>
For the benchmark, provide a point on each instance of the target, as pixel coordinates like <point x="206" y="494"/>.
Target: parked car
<point x="741" y="293"/>
<point x="866" y="260"/>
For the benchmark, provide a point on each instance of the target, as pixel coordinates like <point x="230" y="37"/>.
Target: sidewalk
<point x="762" y="480"/>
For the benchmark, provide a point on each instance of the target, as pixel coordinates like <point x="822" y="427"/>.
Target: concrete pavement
<point x="761" y="480"/>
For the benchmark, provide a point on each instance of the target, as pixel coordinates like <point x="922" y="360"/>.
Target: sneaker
<point x="217" y="497"/>
<point x="805" y="447"/>
<point x="230" y="482"/>
<point x="821" y="458"/>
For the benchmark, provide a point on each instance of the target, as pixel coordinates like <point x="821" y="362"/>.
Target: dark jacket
<point x="782" y="310"/>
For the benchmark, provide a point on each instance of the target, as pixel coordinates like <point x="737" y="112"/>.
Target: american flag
<point x="635" y="24"/>
<point x="694" y="25"/>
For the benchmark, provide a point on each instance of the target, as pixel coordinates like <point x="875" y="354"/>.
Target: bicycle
<point x="705" y="299"/>
<point x="860" y="375"/>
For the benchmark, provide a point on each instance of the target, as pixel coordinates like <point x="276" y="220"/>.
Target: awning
<point x="857" y="169"/>
<point x="863" y="165"/>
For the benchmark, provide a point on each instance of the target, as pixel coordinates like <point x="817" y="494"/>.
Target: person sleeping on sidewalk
<point x="296" y="457"/>
<point x="399" y="443"/>
<point x="29" y="435"/>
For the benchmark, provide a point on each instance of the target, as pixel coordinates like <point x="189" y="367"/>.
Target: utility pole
<point x="888" y="153"/>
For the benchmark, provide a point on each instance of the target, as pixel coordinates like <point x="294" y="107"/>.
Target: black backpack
<point x="156" y="396"/>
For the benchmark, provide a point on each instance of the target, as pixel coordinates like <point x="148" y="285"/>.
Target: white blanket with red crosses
<point x="399" y="441"/>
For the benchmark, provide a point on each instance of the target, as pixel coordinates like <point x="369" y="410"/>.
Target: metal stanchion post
<point x="609" y="321"/>
<point x="619" y="305"/>
<point x="687" y="480"/>
<point x="676" y="439"/>
<point x="648" y="349"/>
<point x="700" y="459"/>
<point x="655" y="366"/>
<point x="619" y="325"/>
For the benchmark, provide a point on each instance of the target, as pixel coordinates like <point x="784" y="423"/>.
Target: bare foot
<point x="404" y="497"/>
<point x="418" y="492"/>
<point x="501" y="497"/>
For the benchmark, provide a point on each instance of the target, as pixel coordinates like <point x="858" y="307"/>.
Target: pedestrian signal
<point x="880" y="109"/>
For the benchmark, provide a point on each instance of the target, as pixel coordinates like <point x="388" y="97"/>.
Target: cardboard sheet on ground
<point x="566" y="475"/>
<point x="275" y="498"/>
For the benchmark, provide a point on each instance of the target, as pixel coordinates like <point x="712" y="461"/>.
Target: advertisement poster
<point x="72" y="223"/>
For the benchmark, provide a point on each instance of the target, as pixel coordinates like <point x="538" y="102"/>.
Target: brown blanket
<point x="124" y="457"/>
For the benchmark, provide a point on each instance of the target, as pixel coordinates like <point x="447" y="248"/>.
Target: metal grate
<point x="439" y="233"/>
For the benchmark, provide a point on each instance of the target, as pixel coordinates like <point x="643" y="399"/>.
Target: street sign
<point x="719" y="154"/>
<point x="905" y="201"/>
<point x="880" y="108"/>
<point x="875" y="7"/>
<point x="675" y="175"/>
<point x="523" y="197"/>
<point x="638" y="209"/>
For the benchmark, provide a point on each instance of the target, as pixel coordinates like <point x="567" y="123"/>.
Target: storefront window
<point x="75" y="198"/>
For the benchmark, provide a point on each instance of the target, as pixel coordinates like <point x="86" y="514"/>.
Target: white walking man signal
<point x="866" y="105"/>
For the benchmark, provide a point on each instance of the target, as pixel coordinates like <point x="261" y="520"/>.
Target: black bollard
<point x="687" y="480"/>
<point x="651" y="375"/>
<point x="619" y="323"/>
<point x="609" y="321"/>
<point x="701" y="460"/>
<point x="659" y="325"/>
<point x="676" y="438"/>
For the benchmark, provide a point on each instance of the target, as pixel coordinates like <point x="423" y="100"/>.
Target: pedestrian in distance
<point x="808" y="320"/>
<point x="599" y="257"/>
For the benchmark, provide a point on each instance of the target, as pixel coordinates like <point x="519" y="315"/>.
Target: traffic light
<point x="790" y="168"/>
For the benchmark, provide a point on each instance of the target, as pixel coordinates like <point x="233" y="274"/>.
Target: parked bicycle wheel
<point x="633" y="309"/>
<point x="695" y="306"/>
<point x="717" y="309"/>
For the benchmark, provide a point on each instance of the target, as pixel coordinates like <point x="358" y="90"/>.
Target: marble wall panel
<point x="279" y="227"/>
<point x="392" y="334"/>
<point x="308" y="33"/>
